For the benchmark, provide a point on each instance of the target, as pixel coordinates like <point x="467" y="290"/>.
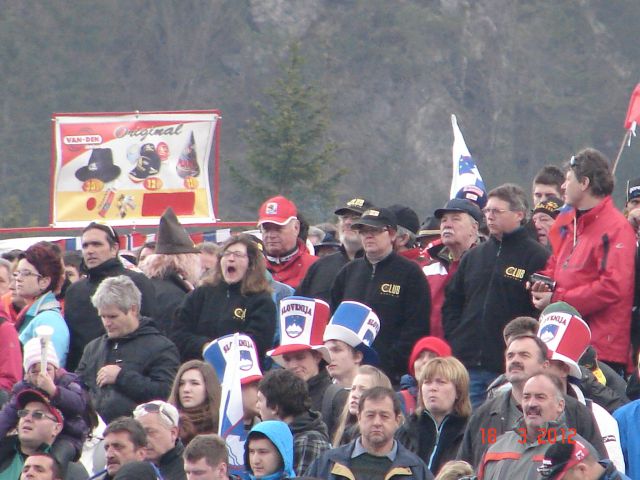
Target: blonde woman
<point x="435" y="430"/>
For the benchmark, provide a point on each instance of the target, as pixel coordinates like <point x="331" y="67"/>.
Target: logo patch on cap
<point x="549" y="332"/>
<point x="371" y="213"/>
<point x="355" y="202"/>
<point x="271" y="208"/>
<point x="246" y="363"/>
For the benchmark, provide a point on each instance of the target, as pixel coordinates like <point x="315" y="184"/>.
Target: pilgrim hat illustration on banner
<point x="187" y="165"/>
<point x="217" y="353"/>
<point x="148" y="164"/>
<point x="356" y="325"/>
<point x="302" y="324"/>
<point x="100" y="166"/>
<point x="567" y="336"/>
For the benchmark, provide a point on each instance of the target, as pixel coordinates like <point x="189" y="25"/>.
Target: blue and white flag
<point x="466" y="181"/>
<point x="224" y="354"/>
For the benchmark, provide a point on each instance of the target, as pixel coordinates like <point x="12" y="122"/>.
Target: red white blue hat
<point x="356" y="325"/>
<point x="302" y="323"/>
<point x="566" y="334"/>
<point x="219" y="352"/>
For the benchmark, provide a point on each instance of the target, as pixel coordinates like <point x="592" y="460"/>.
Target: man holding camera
<point x="593" y="258"/>
<point x="488" y="289"/>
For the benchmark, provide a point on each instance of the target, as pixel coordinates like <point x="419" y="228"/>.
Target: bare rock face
<point x="293" y="18"/>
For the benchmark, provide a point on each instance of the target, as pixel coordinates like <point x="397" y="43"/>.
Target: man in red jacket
<point x="287" y="256"/>
<point x="593" y="258"/>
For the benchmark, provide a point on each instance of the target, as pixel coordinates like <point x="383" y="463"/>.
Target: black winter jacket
<point x="170" y="293"/>
<point x="321" y="275"/>
<point x="434" y="445"/>
<point x="493" y="414"/>
<point x="397" y="290"/>
<point x="81" y="316"/>
<point x="210" y="312"/>
<point x="486" y="292"/>
<point x="171" y="464"/>
<point x="149" y="363"/>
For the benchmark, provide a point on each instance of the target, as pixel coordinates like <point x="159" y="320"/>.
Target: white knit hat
<point x="32" y="354"/>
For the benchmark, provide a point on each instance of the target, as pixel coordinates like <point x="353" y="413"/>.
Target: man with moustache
<point x="519" y="452"/>
<point x="124" y="441"/>
<point x="459" y="222"/>
<point x="526" y="356"/>
<point x="320" y="276"/>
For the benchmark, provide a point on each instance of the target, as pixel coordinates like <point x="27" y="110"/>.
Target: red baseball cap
<point x="278" y="210"/>
<point x="30" y="395"/>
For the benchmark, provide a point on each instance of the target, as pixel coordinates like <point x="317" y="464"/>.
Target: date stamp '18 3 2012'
<point x="544" y="435"/>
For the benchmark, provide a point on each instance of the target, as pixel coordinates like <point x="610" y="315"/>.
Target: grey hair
<point x="405" y="231"/>
<point x="6" y="264"/>
<point x="118" y="292"/>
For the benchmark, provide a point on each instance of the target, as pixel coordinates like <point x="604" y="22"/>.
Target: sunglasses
<point x="145" y="408"/>
<point x="35" y="414"/>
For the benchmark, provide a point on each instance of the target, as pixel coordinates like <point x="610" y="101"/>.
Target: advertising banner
<point x="126" y="168"/>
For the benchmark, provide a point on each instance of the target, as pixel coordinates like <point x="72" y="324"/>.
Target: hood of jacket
<point x="280" y="435"/>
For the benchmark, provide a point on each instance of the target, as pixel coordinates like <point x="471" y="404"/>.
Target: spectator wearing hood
<point x="268" y="451"/>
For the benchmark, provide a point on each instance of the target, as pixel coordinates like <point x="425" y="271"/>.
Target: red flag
<point x="633" y="111"/>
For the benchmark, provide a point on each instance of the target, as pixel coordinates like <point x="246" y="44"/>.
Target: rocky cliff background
<point x="530" y="81"/>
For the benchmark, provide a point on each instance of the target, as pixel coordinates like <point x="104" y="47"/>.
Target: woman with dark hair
<point x="435" y="430"/>
<point x="236" y="299"/>
<point x="38" y="275"/>
<point x="196" y="394"/>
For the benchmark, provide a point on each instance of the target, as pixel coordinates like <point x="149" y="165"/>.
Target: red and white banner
<point x="126" y="168"/>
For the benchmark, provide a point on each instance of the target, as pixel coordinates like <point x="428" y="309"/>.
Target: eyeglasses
<point x="372" y="230"/>
<point x="230" y="253"/>
<point x="494" y="211"/>
<point x="25" y="273"/>
<point x="35" y="414"/>
<point x="145" y="408"/>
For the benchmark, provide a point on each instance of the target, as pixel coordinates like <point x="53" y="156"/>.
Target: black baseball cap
<point x="550" y="206"/>
<point x="406" y="217"/>
<point x="460" y="205"/>
<point x="377" y="217"/>
<point x="633" y="189"/>
<point x="560" y="457"/>
<point x="355" y="205"/>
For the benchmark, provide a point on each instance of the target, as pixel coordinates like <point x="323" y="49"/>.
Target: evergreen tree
<point x="288" y="149"/>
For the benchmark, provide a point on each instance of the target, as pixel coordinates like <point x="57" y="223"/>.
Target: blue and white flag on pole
<point x="224" y="355"/>
<point x="466" y="181"/>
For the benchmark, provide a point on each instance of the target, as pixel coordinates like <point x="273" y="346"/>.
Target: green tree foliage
<point x="289" y="152"/>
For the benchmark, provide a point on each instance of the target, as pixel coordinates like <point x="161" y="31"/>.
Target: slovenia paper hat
<point x="302" y="323"/>
<point x="218" y="354"/>
<point x="356" y="325"/>
<point x="567" y="336"/>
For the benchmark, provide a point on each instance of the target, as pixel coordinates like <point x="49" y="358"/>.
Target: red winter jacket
<point x="595" y="273"/>
<point x="10" y="355"/>
<point x="292" y="270"/>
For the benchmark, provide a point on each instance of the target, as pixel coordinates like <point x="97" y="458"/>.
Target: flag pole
<point x="625" y="139"/>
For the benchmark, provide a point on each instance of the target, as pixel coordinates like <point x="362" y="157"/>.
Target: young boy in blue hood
<point x="268" y="451"/>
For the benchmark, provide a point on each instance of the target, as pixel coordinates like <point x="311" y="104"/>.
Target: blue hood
<point x="279" y="434"/>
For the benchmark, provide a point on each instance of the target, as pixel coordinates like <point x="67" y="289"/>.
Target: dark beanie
<point x="136" y="471"/>
<point x="172" y="238"/>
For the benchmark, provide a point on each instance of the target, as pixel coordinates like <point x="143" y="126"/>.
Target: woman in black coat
<point x="434" y="432"/>
<point x="236" y="299"/>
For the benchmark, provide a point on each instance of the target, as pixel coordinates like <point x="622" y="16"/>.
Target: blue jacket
<point x="335" y="465"/>
<point x="628" y="418"/>
<point x="280" y="435"/>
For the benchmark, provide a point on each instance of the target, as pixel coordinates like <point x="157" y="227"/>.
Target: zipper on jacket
<point x="437" y="442"/>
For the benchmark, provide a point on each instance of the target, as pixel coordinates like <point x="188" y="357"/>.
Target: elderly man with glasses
<point x="393" y="286"/>
<point x="164" y="448"/>
<point x="489" y="289"/>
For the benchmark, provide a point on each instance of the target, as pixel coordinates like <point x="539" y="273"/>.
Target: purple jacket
<point x="69" y="399"/>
